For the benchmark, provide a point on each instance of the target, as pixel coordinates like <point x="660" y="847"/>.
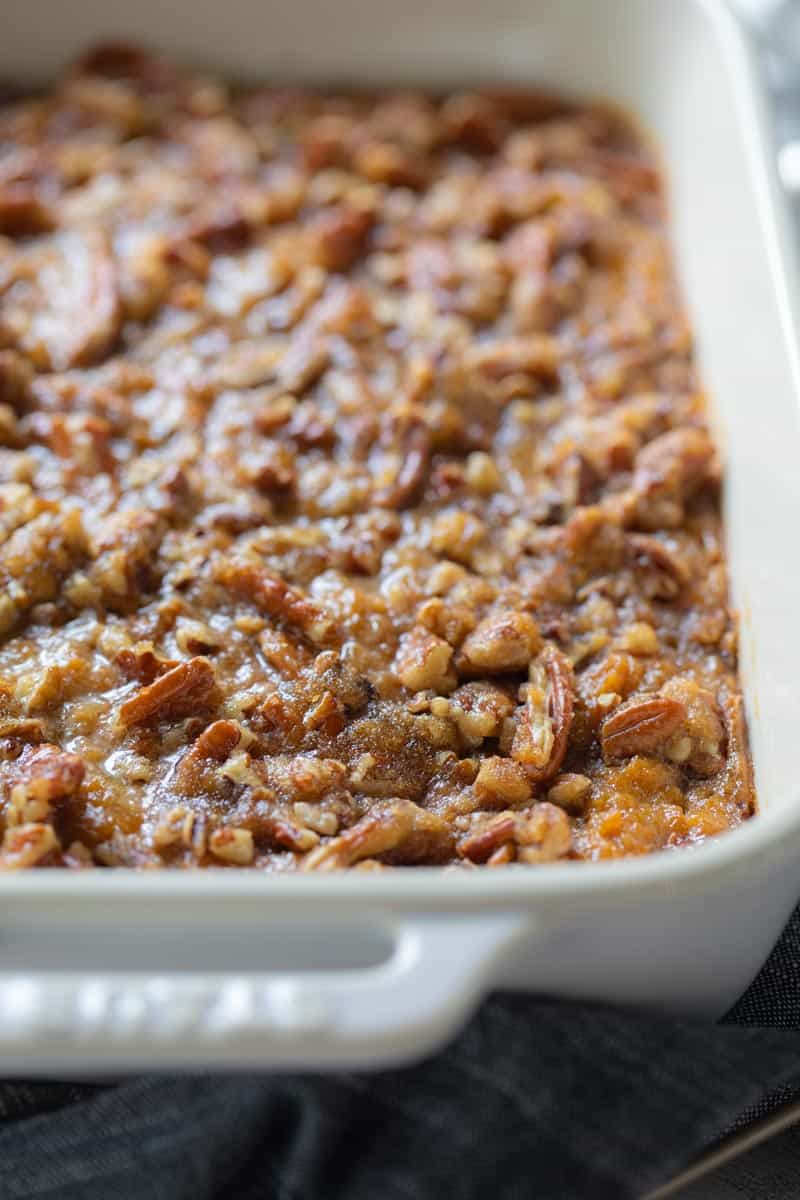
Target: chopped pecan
<point x="218" y="741"/>
<point x="544" y="834"/>
<point x="479" y="846"/>
<point x="543" y="727"/>
<point x="642" y="725"/>
<point x="42" y="776"/>
<point x="383" y="162"/>
<point x="473" y="120"/>
<point x="540" y="834"/>
<point x="35" y="560"/>
<point x="306" y="358"/>
<point x="503" y="641"/>
<point x="570" y="792"/>
<point x="143" y="664"/>
<point x="232" y="845"/>
<point x="386" y="827"/>
<point x="668" y="470"/>
<point x="187" y="689"/>
<point x="479" y="710"/>
<point x="27" y="845"/>
<point x="326" y="713"/>
<point x="275" y="597"/>
<point x="699" y="741"/>
<point x="501" y="781"/>
<point x="27" y="729"/>
<point x="423" y="661"/>
<point x="125" y="553"/>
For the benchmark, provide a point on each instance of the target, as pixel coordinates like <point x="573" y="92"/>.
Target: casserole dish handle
<point x="369" y="1016"/>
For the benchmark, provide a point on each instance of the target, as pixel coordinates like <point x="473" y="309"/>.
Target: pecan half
<point x="543" y="727"/>
<point x="640" y="726"/>
<point x="186" y="689"/>
<point x="413" y="471"/>
<point x="82" y="320"/>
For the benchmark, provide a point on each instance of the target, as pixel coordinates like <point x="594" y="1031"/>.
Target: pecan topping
<point x="384" y="404"/>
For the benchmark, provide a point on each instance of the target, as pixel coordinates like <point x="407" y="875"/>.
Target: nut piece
<point x="540" y="834"/>
<point x="232" y="845"/>
<point x="186" y="689"/>
<point x="384" y="829"/>
<point x="479" y="846"/>
<point x="218" y="741"/>
<point x="641" y="726"/>
<point x="27" y="845"/>
<point x="700" y="741"/>
<point x="663" y="574"/>
<point x="275" y="597"/>
<point x="413" y="472"/>
<point x="639" y="638"/>
<point x="570" y="792"/>
<point x="482" y="474"/>
<point x="503" y="780"/>
<point x="423" y="661"/>
<point x="503" y="641"/>
<point x="544" y="835"/>
<point x="479" y="710"/>
<point x="540" y="739"/>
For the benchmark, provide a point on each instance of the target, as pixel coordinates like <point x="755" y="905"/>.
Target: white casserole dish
<point x="113" y="970"/>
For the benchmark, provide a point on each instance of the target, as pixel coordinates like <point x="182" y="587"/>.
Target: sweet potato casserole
<point x="358" y="504"/>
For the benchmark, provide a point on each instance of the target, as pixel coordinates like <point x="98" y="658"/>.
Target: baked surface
<point x="358" y="504"/>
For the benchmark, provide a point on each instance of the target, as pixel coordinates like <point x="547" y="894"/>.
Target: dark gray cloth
<point x="537" y="1099"/>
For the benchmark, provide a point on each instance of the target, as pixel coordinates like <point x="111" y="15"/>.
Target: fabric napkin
<point x="536" y="1099"/>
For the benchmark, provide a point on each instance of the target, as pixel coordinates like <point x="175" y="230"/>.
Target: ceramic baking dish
<point x="114" y="970"/>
